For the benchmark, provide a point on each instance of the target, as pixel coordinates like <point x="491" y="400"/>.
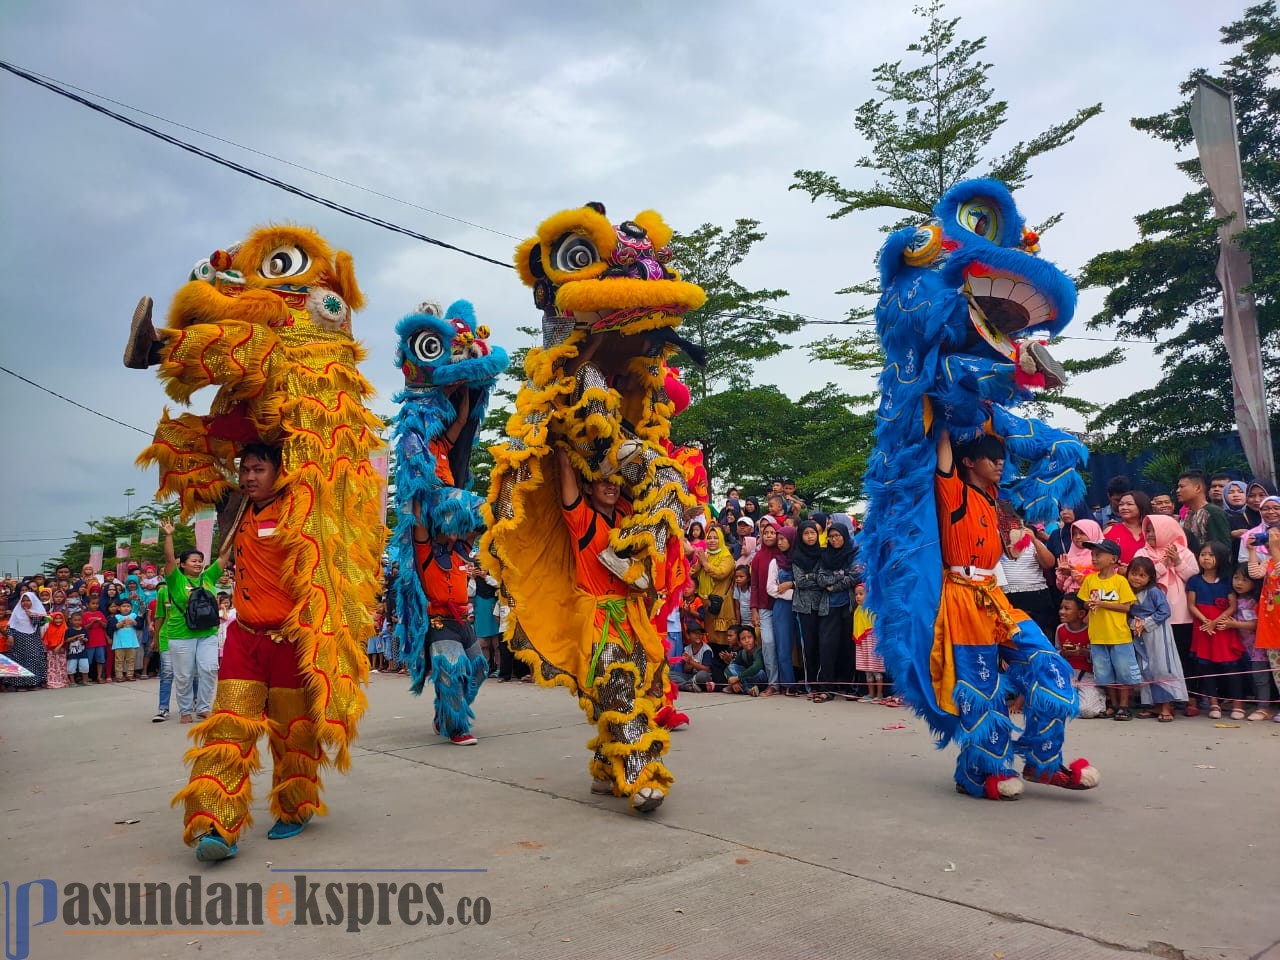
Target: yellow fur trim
<point x="620" y="293"/>
<point x="656" y="227"/>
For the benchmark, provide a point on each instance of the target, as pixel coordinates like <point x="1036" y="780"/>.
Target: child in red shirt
<point x="94" y="622"/>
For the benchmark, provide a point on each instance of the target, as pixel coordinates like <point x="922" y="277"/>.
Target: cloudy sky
<point x="497" y="114"/>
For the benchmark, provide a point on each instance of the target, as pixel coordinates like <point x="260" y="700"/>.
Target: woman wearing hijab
<point x="25" y="645"/>
<point x="837" y="573"/>
<point x="1165" y="545"/>
<point x="1251" y="550"/>
<point x="810" y="601"/>
<point x="781" y="587"/>
<point x="715" y="567"/>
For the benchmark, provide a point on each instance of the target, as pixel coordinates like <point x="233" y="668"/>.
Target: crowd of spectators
<point x="1156" y="601"/>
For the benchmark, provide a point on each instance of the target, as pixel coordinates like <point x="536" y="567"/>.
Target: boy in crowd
<point x="98" y="645"/>
<point x="77" y="650"/>
<point x="1108" y="597"/>
<point x="695" y="667"/>
<point x="125" y="642"/>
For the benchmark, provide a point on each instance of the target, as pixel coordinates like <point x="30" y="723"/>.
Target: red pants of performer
<point x="259" y="691"/>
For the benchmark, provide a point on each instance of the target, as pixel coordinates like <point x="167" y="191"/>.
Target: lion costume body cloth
<point x="960" y="294"/>
<point x="268" y="324"/>
<point x="595" y="389"/>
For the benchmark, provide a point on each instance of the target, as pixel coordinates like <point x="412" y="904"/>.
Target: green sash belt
<point x="615" y="615"/>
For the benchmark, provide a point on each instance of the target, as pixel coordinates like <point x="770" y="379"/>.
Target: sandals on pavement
<point x="1123" y="714"/>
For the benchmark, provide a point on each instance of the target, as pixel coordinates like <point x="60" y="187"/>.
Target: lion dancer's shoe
<point x="1079" y="775"/>
<point x="1005" y="785"/>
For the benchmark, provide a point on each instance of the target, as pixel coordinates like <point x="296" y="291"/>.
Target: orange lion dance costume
<point x="582" y="602"/>
<point x="268" y="323"/>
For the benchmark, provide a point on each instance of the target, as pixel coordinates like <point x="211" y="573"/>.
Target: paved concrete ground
<point x="794" y="830"/>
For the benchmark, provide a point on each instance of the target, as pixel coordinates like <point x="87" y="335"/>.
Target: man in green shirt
<point x="1203" y="522"/>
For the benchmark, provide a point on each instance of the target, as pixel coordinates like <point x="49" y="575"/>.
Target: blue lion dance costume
<point x="449" y="372"/>
<point x="956" y="292"/>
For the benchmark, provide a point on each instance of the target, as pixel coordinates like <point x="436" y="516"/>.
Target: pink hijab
<point x="1172" y="579"/>
<point x="1082" y="557"/>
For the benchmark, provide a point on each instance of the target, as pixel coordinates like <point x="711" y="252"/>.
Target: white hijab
<point x="20" y="620"/>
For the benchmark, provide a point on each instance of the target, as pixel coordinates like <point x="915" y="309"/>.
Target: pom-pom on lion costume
<point x="595" y="392"/>
<point x="268" y="322"/>
<point x="957" y="291"/>
<point x="449" y="372"/>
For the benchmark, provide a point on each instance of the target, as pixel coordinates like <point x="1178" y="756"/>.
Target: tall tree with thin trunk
<point x="1164" y="286"/>
<point x="930" y="125"/>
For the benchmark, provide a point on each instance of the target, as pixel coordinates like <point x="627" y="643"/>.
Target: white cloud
<point x="499" y="114"/>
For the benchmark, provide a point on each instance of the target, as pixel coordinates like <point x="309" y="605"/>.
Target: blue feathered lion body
<point x="443" y="354"/>
<point x="940" y="371"/>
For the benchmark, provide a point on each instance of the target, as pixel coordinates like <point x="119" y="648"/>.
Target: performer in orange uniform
<point x="977" y="627"/>
<point x="260" y="689"/>
<point x="612" y="680"/>
<point x="453" y="652"/>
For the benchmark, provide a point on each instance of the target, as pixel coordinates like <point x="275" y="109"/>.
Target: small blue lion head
<point x="973" y="269"/>
<point x="444" y="348"/>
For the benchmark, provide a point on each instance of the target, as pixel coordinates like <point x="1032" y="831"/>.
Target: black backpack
<point x="201" y="612"/>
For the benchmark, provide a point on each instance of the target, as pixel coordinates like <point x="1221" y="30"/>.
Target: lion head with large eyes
<point x="609" y="279"/>
<point x="280" y="276"/>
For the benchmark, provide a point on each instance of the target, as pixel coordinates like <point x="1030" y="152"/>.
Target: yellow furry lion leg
<point x="219" y="793"/>
<point x="628" y="744"/>
<point x="296" y="756"/>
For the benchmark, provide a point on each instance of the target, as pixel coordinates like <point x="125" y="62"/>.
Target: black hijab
<point x="841" y="558"/>
<point x="802" y="555"/>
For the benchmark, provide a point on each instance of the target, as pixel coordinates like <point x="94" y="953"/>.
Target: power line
<point x="74" y="403"/>
<point x="40" y="540"/>
<point x="64" y="89"/>
<point x="248" y="171"/>
<point x="269" y="156"/>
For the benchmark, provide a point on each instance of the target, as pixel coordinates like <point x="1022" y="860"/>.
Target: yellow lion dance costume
<point x="268" y="323"/>
<point x="595" y="391"/>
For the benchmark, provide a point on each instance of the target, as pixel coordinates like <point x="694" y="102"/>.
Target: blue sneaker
<point x="211" y="848"/>
<point x="283" y="829"/>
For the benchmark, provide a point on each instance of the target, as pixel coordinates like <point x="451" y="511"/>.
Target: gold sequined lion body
<point x="594" y="390"/>
<point x="268" y="323"/>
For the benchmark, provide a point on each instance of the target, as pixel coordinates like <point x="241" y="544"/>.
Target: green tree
<point x="750" y="435"/>
<point x="931" y="125"/>
<point x="735" y="327"/>
<point x="1164" y="287"/>
<point x="104" y="532"/>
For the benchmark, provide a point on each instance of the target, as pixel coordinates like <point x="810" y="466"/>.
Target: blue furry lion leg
<point x="984" y="731"/>
<point x="1043" y="678"/>
<point x="451" y="676"/>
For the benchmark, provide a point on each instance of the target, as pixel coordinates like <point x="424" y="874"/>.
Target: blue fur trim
<point x="457" y="681"/>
